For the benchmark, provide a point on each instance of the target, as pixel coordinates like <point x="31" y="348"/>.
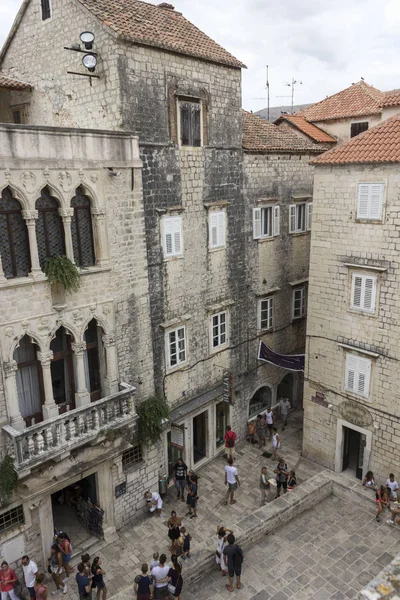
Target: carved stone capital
<point x="98" y="212"/>
<point x="30" y="215"/>
<point x="10" y="368"/>
<point x="66" y="213"/>
<point x="45" y="358"/>
<point x="109" y="339"/>
<point x="78" y="348"/>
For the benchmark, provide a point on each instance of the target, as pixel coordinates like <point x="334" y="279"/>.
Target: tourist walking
<point x="230" y="442"/>
<point x="269" y="420"/>
<point x="180" y="472"/>
<point x="160" y="579"/>
<point x="231" y="480"/>
<point x="234" y="559"/>
<point x="175" y="575"/>
<point x="66" y="550"/>
<point x="41" y="590"/>
<point x="285" y="407"/>
<point x="192" y="497"/>
<point x="173" y="525"/>
<point x="143" y="586"/>
<point x="84" y="581"/>
<point x="187" y="538"/>
<point x="264" y="485"/>
<point x="56" y="569"/>
<point x="30" y="570"/>
<point x="276" y="442"/>
<point x="97" y="579"/>
<point x="394" y="487"/>
<point x="8" y="580"/>
<point x="261" y="428"/>
<point x="282" y="475"/>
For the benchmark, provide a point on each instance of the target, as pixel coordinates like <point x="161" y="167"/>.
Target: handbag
<point x="171" y="588"/>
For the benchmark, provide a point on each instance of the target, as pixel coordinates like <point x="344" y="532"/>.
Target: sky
<point x="326" y="45"/>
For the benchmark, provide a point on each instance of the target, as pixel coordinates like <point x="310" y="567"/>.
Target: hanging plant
<point x="152" y="413"/>
<point x="61" y="270"/>
<point x="8" y="480"/>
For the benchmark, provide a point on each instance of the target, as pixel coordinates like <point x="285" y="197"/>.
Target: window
<point x="265" y="313"/>
<point x="358" y="374"/>
<point x="49" y="228"/>
<point x="370" y="201"/>
<point x="216" y="223"/>
<point x="218" y="329"/>
<point x="62" y="370"/>
<point x="29" y="381"/>
<point x="94" y="360"/>
<point x="363" y="292"/>
<point x="356" y="128"/>
<point x="172" y="236"/>
<point x="11" y="518"/>
<point x="131" y="457"/>
<point x="46" y="9"/>
<point x="300" y="216"/>
<point x="176" y="347"/>
<point x="14" y="246"/>
<point x="82" y="230"/>
<point x="19" y="115"/>
<point x="266" y="222"/>
<point x="299" y="302"/>
<point x="190" y="123"/>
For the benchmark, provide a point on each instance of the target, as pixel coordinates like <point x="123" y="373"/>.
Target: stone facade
<point x="349" y="246"/>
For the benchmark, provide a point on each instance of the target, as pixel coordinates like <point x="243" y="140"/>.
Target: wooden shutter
<point x="276" y="220"/>
<point x="376" y="197"/>
<point x="356" y="291"/>
<point x="213" y="220"/>
<point x="363" y="201"/>
<point x="46" y="13"/>
<point x="363" y="292"/>
<point x="309" y="215"/>
<point x="196" y="125"/>
<point x="351" y="372"/>
<point x="369" y="293"/>
<point x="292" y="218"/>
<point x="185" y="124"/>
<point x="168" y="237"/>
<point x="358" y="374"/>
<point x="256" y="223"/>
<point x="177" y="231"/>
<point x="221" y="228"/>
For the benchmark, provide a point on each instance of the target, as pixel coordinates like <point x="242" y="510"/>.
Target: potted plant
<point x="63" y="276"/>
<point x="8" y="480"/>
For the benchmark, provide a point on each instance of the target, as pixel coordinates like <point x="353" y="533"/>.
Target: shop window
<point x="189" y="114"/>
<point x="14" y="245"/>
<point x="12" y="518"/>
<point x="29" y="381"/>
<point x="49" y="228"/>
<point x="94" y="360"/>
<point x="62" y="371"/>
<point x="46" y="9"/>
<point x="82" y="230"/>
<point x="132" y="457"/>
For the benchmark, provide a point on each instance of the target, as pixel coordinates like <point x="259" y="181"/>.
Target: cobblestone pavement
<point x="329" y="552"/>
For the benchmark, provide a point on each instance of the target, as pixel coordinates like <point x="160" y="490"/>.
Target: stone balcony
<point x="54" y="438"/>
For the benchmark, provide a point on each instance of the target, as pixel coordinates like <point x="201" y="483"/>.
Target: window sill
<point x="357" y="396"/>
<point x="220" y="348"/>
<point x="167" y="259"/>
<point x="21" y="281"/>
<point x="299" y="233"/>
<point x="177" y="368"/>
<point x="359" y="311"/>
<point x="369" y="221"/>
<point x="297" y="319"/>
<point x="217" y="249"/>
<point x="89" y="270"/>
<point x="133" y="467"/>
<point x="262" y="331"/>
<point x="266" y="239"/>
<point x="190" y="148"/>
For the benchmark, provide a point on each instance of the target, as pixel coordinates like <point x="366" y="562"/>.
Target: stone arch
<point x="18" y="194"/>
<point x="105" y="326"/>
<point x="286" y="388"/>
<point x="260" y="400"/>
<point x="70" y="329"/>
<point x="88" y="191"/>
<point x="34" y="338"/>
<point x="55" y="192"/>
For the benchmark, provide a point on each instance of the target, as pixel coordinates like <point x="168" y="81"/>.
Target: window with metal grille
<point x="46" y="9"/>
<point x="49" y="228"/>
<point x="11" y="518"/>
<point x="82" y="230"/>
<point x="357" y="128"/>
<point x="190" y="123"/>
<point x="14" y="245"/>
<point x="131" y="457"/>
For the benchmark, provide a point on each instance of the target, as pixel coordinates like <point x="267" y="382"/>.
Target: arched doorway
<point x="260" y="401"/>
<point x="285" y="389"/>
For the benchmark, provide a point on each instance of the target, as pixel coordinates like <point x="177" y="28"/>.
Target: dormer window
<point x="46" y="9"/>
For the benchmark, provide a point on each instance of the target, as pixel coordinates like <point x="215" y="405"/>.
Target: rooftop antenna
<point x="292" y="84"/>
<point x="267" y="88"/>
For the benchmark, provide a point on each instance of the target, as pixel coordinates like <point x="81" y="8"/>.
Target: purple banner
<point x="291" y="362"/>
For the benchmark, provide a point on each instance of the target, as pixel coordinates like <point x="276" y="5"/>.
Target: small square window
<point x="219" y="335"/>
<point x="190" y="123"/>
<point x="298" y="302"/>
<point x="131" y="457"/>
<point x="19" y="115"/>
<point x="266" y="313"/>
<point x="176" y="346"/>
<point x="12" y="518"/>
<point x="357" y="128"/>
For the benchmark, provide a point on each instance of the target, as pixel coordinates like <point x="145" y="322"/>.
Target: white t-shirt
<point x="30" y="571"/>
<point x="394" y="486"/>
<point x="285" y="406"/>
<point x="160" y="573"/>
<point x="231" y="473"/>
<point x="269" y="417"/>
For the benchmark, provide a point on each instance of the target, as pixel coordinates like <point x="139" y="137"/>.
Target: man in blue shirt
<point x="84" y="583"/>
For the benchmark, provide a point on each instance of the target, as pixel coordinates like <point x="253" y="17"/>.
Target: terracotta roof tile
<point x="312" y="131"/>
<point x="260" y="135"/>
<point x="355" y="101"/>
<point x="391" y="98"/>
<point x="380" y="144"/>
<point x="13" y="84"/>
<point x="160" y="26"/>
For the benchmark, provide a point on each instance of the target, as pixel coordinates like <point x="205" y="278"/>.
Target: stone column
<point x="100" y="237"/>
<point x="111" y="383"/>
<point x="30" y="217"/>
<point x="16" y="420"/>
<point x="106" y="499"/>
<point x="82" y="395"/>
<point x="66" y="215"/>
<point x="50" y="408"/>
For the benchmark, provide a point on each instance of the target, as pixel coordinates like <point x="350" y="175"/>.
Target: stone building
<point x="351" y="395"/>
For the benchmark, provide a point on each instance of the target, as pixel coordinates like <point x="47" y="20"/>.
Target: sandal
<point x="229" y="588"/>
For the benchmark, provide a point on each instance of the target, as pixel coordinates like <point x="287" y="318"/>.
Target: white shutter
<point x="213" y="230"/>
<point x="292" y="218"/>
<point x="172" y="236"/>
<point x="363" y="201"/>
<point x="277" y="220"/>
<point x="177" y="229"/>
<point x="356" y="291"/>
<point x="370" y="201"/>
<point x="351" y="372"/>
<point x="358" y="375"/>
<point x="256" y="223"/>
<point x="363" y="292"/>
<point x="369" y="293"/>
<point x="309" y="215"/>
<point x="221" y="229"/>
<point x="376" y="197"/>
<point x="168" y="237"/>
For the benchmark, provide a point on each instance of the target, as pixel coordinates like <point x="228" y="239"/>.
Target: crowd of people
<point x="387" y="496"/>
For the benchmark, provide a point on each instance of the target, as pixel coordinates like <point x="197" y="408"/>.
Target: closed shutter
<point x="185" y="125"/>
<point x="221" y="229"/>
<point x="363" y="197"/>
<point x="370" y="201"/>
<point x="277" y="220"/>
<point x="369" y="293"/>
<point x="213" y="230"/>
<point x="172" y="236"/>
<point x="363" y="292"/>
<point x="309" y="215"/>
<point x="358" y="375"/>
<point x="357" y="291"/>
<point x="177" y="229"/>
<point x="168" y="237"/>
<point x="256" y="223"/>
<point x="376" y="196"/>
<point x="292" y="218"/>
<point x="196" y="124"/>
<point x="217" y="229"/>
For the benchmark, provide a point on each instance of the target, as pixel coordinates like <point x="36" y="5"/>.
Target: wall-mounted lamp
<point x="89" y="61"/>
<point x="87" y="39"/>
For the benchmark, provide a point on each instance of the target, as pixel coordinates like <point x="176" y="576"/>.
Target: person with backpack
<point x="233" y="555"/>
<point x="230" y="442"/>
<point x="8" y="581"/>
<point x="55" y="563"/>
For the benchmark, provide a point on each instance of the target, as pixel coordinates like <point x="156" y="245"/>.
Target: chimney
<point x="166" y="6"/>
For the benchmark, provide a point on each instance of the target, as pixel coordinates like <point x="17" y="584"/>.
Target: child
<point x="187" y="538"/>
<point x="155" y="562"/>
<point x="382" y="499"/>
<point x="292" y="480"/>
<point x="250" y="432"/>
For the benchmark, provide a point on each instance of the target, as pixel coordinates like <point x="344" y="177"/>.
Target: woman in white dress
<point x="276" y="442"/>
<point x="222" y="532"/>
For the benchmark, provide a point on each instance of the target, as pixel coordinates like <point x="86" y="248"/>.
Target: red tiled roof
<point x="312" y="131"/>
<point x="160" y="26"/>
<point x="13" y="84"/>
<point x="391" y="98"/>
<point x="259" y="135"/>
<point x="357" y="100"/>
<point x="380" y="144"/>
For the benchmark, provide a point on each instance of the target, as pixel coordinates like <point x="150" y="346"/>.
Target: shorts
<point x="270" y="426"/>
<point x="280" y="484"/>
<point x="235" y="571"/>
<point x="230" y="452"/>
<point x="191" y="501"/>
<point x="143" y="596"/>
<point x="232" y="487"/>
<point x="161" y="592"/>
<point x="31" y="591"/>
<point x="180" y="484"/>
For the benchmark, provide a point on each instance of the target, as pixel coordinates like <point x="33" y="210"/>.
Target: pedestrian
<point x="8" y="580"/>
<point x="187" y="538"/>
<point x="155" y="562"/>
<point x="143" y="586"/>
<point x="260" y="430"/>
<point x="369" y="481"/>
<point x="276" y="442"/>
<point x="192" y="497"/>
<point x="180" y="472"/>
<point x="154" y="501"/>
<point x="393" y="520"/>
<point x="234" y="556"/>
<point x="264" y="485"/>
<point x="41" y="591"/>
<point x="282" y="475"/>
<point x="56" y="569"/>
<point x="97" y="579"/>
<point x="230" y="442"/>
<point x="173" y="525"/>
<point x="219" y="553"/>
<point x="30" y="570"/>
<point x="175" y="575"/>
<point x="160" y="579"/>
<point x="251" y="430"/>
<point x="382" y="496"/>
<point x="292" y="481"/>
<point x="66" y="550"/>
<point x="84" y="581"/>
<point x="394" y="487"/>
<point x="231" y="480"/>
<point x="285" y="409"/>
<point x="269" y="420"/>
<point x="85" y="558"/>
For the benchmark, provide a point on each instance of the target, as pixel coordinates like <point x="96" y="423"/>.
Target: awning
<point x="183" y="410"/>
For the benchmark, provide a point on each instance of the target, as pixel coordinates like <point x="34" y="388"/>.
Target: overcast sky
<point x="325" y="44"/>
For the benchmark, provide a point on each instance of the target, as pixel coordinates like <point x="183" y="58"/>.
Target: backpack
<point x="238" y="556"/>
<point x="230" y="441"/>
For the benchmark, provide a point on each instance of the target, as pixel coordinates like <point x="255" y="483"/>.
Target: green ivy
<point x="152" y="412"/>
<point x="60" y="269"/>
<point x="8" y="480"/>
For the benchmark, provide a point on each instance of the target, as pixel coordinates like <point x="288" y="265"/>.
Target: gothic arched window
<point x="94" y="360"/>
<point x="82" y="230"/>
<point x="29" y="381"/>
<point x="14" y="245"/>
<point x="49" y="228"/>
